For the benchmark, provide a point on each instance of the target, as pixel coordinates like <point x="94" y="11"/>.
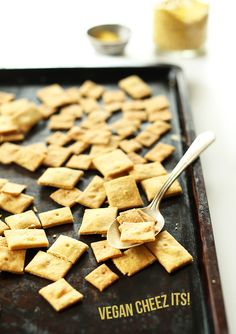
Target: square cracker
<point x="113" y="96"/>
<point x="56" y="217"/>
<point x="6" y="97"/>
<point x="78" y="147"/>
<point x="130" y="216"/>
<point x="56" y="156"/>
<point x="65" y="197"/>
<point x="8" y="153"/>
<point x="14" y="136"/>
<point x="58" y="138"/>
<point x="12" y="261"/>
<point x="135" y="87"/>
<point x="27" y="219"/>
<point x="147" y="138"/>
<point x="91" y="89"/>
<point x="156" y="103"/>
<point x="46" y="111"/>
<point x="141" y="232"/>
<point x="60" y="177"/>
<point x="2" y="182"/>
<point x="123" y="193"/>
<point x="60" y="294"/>
<point x="89" y="105"/>
<point x="153" y="185"/>
<point x="159" y="152"/>
<point x="139" y="115"/>
<point x="97" y="221"/>
<point x="134" y="260"/>
<point x="136" y="158"/>
<point x="73" y="110"/>
<point x="158" y="127"/>
<point x="137" y="105"/>
<point x="146" y="171"/>
<point x="60" y="122"/>
<point x="53" y="96"/>
<point x="169" y="252"/>
<point x="68" y="248"/>
<point x="3" y="227"/>
<point x="162" y="115"/>
<point x="82" y="161"/>
<point x="103" y="251"/>
<point x="15" y="204"/>
<point x="48" y="266"/>
<point x="29" y="158"/>
<point x="102" y="277"/>
<point x="13" y="188"/>
<point x="26" y="238"/>
<point x="94" y="195"/>
<point x="130" y="145"/>
<point x="113" y="163"/>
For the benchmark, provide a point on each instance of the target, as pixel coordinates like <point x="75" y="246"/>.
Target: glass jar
<point x="181" y="26"/>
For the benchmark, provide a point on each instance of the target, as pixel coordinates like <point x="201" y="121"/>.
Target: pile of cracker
<point x="82" y="139"/>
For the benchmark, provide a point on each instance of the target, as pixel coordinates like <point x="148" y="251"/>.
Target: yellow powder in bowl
<point x="107" y="36"/>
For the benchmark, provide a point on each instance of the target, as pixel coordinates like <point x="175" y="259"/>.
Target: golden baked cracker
<point x="60" y="177"/>
<point x="159" y="152"/>
<point x="161" y="115"/>
<point x="6" y="97"/>
<point x="40" y="147"/>
<point x="15" y="204"/>
<point x="153" y="185"/>
<point x="29" y="158"/>
<point x="46" y="111"/>
<point x="123" y="193"/>
<point x="58" y="138"/>
<point x="113" y="107"/>
<point x="125" y="127"/>
<point x="139" y="115"/>
<point x="99" y="149"/>
<point x="169" y="252"/>
<point x="96" y="136"/>
<point x="12" y="107"/>
<point x="94" y="124"/>
<point x="12" y="137"/>
<point x="156" y="103"/>
<point x="134" y="260"/>
<point x="146" y="171"/>
<point x="65" y="197"/>
<point x="68" y="248"/>
<point x="27" y="219"/>
<point x="91" y="89"/>
<point x="56" y="217"/>
<point x="101" y="277"/>
<point x="78" y="147"/>
<point x="113" y="163"/>
<point x="97" y="221"/>
<point x="159" y="127"/>
<point x="3" y="227"/>
<point x="103" y="251"/>
<point x="133" y="105"/>
<point x="13" y="188"/>
<point x="137" y="233"/>
<point x="136" y="159"/>
<point x="73" y="110"/>
<point x="130" y="145"/>
<point x="48" y="266"/>
<point x="60" y="294"/>
<point x="26" y="118"/>
<point x="56" y="156"/>
<point x="145" y="216"/>
<point x="74" y="94"/>
<point x="82" y="161"/>
<point x="147" y="138"/>
<point x="111" y="96"/>
<point x="89" y="105"/>
<point x="6" y="125"/>
<point x="8" y="153"/>
<point x="53" y="96"/>
<point x="12" y="261"/>
<point x="3" y="242"/>
<point x="98" y="116"/>
<point x="94" y="194"/>
<point x="26" y="238"/>
<point x="2" y="182"/>
<point x="131" y="216"/>
<point x="134" y="86"/>
<point x="60" y="122"/>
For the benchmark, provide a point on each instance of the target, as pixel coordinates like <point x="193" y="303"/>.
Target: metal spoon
<point x="201" y="142"/>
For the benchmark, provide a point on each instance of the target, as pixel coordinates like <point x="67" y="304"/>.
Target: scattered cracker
<point x="134" y="260"/>
<point x="145" y="216"/>
<point x="12" y="261"/>
<point x="159" y="152"/>
<point x="13" y="107"/>
<point x="74" y="94"/>
<point x="130" y="145"/>
<point x="135" y="87"/>
<point x="136" y="159"/>
<point x="102" y="277"/>
<point x="13" y="188"/>
<point x="91" y="89"/>
<point x="89" y="105"/>
<point x="56" y="156"/>
<point x="60" y="294"/>
<point x="61" y="177"/>
<point x="113" y="107"/>
<point x="158" y="127"/>
<point x="137" y="105"/>
<point x="3" y="227"/>
<point x="58" y="138"/>
<point x="113" y="96"/>
<point x="147" y="138"/>
<point x="169" y="252"/>
<point x="153" y="185"/>
<point x="48" y="266"/>
<point x="125" y="127"/>
<point x="15" y="204"/>
<point x="82" y="161"/>
<point x="46" y="111"/>
<point x="6" y="97"/>
<point x="56" y="217"/>
<point x="139" y="115"/>
<point x="68" y="248"/>
<point x="130" y="216"/>
<point x="2" y="182"/>
<point x="29" y="158"/>
<point x="97" y="221"/>
<point x="156" y="103"/>
<point x="94" y="194"/>
<point x="8" y="153"/>
<point x="123" y="193"/>
<point x="6" y="125"/>
<point x="26" y="238"/>
<point x="27" y="219"/>
<point x="137" y="233"/>
<point x="65" y="197"/>
<point x="160" y="115"/>
<point x="60" y="122"/>
<point x="146" y="171"/>
<point x="26" y="118"/>
<point x="78" y="147"/>
<point x="73" y="110"/>
<point x="53" y="96"/>
<point x="103" y="251"/>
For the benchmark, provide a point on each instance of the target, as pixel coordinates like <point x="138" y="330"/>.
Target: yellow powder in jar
<point x="180" y="24"/>
<point x="107" y="36"/>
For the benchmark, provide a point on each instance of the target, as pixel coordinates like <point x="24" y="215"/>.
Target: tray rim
<point x="209" y="263"/>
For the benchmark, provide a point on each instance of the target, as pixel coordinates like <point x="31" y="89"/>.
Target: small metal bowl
<point x="109" y="47"/>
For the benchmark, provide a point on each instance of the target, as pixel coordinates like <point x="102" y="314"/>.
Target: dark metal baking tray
<point x="24" y="311"/>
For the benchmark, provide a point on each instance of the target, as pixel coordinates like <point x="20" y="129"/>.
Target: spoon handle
<point x="201" y="142"/>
